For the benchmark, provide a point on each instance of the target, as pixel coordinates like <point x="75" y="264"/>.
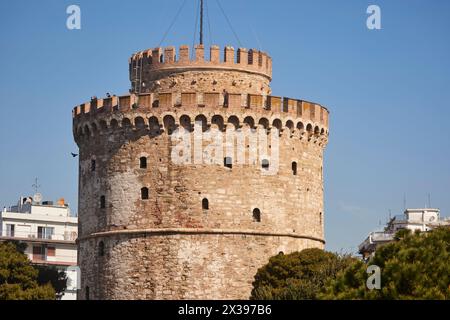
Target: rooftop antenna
<point x="37" y="197"/>
<point x="404" y="202"/>
<point x="201" y="22"/>
<point x="35" y="185"/>
<point x="429" y="200"/>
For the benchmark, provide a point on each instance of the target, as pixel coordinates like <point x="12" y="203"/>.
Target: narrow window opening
<point x="265" y="164"/>
<point x="144" y="193"/>
<point x="93" y="165"/>
<point x="102" y="202"/>
<point x="101" y="249"/>
<point x="205" y="204"/>
<point x="294" y="168"/>
<point x="225" y="98"/>
<point x="228" y="162"/>
<point x="143" y="162"/>
<point x="256" y="215"/>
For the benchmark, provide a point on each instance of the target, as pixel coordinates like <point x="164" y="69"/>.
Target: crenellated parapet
<point x="158" y="59"/>
<point x="164" y="110"/>
<point x="149" y="68"/>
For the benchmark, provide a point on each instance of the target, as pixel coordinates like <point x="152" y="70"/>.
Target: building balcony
<point x="67" y="237"/>
<point x="58" y="260"/>
<point x="381" y="236"/>
<point x="375" y="238"/>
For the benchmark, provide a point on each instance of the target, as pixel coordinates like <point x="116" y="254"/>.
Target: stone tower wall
<point x="169" y="246"/>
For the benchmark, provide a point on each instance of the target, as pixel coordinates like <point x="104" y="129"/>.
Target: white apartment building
<point x="412" y="219"/>
<point x="49" y="230"/>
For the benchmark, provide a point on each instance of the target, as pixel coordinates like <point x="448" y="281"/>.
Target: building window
<point x="101" y="249"/>
<point x="294" y="168"/>
<point x="87" y="293"/>
<point x="256" y="215"/>
<point x="10" y="230"/>
<point x="93" y="165"/>
<point x="51" y="251"/>
<point x="205" y="204"/>
<point x="265" y="164"/>
<point x="45" y="232"/>
<point x="143" y="163"/>
<point x="38" y="253"/>
<point x="144" y="193"/>
<point x="102" y="202"/>
<point x="228" y="162"/>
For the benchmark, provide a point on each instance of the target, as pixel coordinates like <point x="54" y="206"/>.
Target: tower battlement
<point x="160" y="113"/>
<point x="205" y="103"/>
<point x="149" y="67"/>
<point x="242" y="59"/>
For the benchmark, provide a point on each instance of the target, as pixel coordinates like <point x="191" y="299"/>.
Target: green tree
<point x="57" y="278"/>
<point x="18" y="278"/>
<point x="299" y="275"/>
<point x="416" y="266"/>
<point x="20" y="246"/>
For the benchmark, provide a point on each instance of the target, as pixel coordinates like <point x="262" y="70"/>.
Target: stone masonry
<point x="153" y="229"/>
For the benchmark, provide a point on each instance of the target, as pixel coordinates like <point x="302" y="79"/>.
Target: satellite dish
<point x="37" y="197"/>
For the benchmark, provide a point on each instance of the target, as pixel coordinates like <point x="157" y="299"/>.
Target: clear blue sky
<point x="388" y="91"/>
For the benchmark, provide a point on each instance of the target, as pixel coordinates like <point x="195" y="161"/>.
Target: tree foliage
<point x="18" y="278"/>
<point x="20" y="245"/>
<point x="416" y="266"/>
<point x="57" y="278"/>
<point x="299" y="275"/>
